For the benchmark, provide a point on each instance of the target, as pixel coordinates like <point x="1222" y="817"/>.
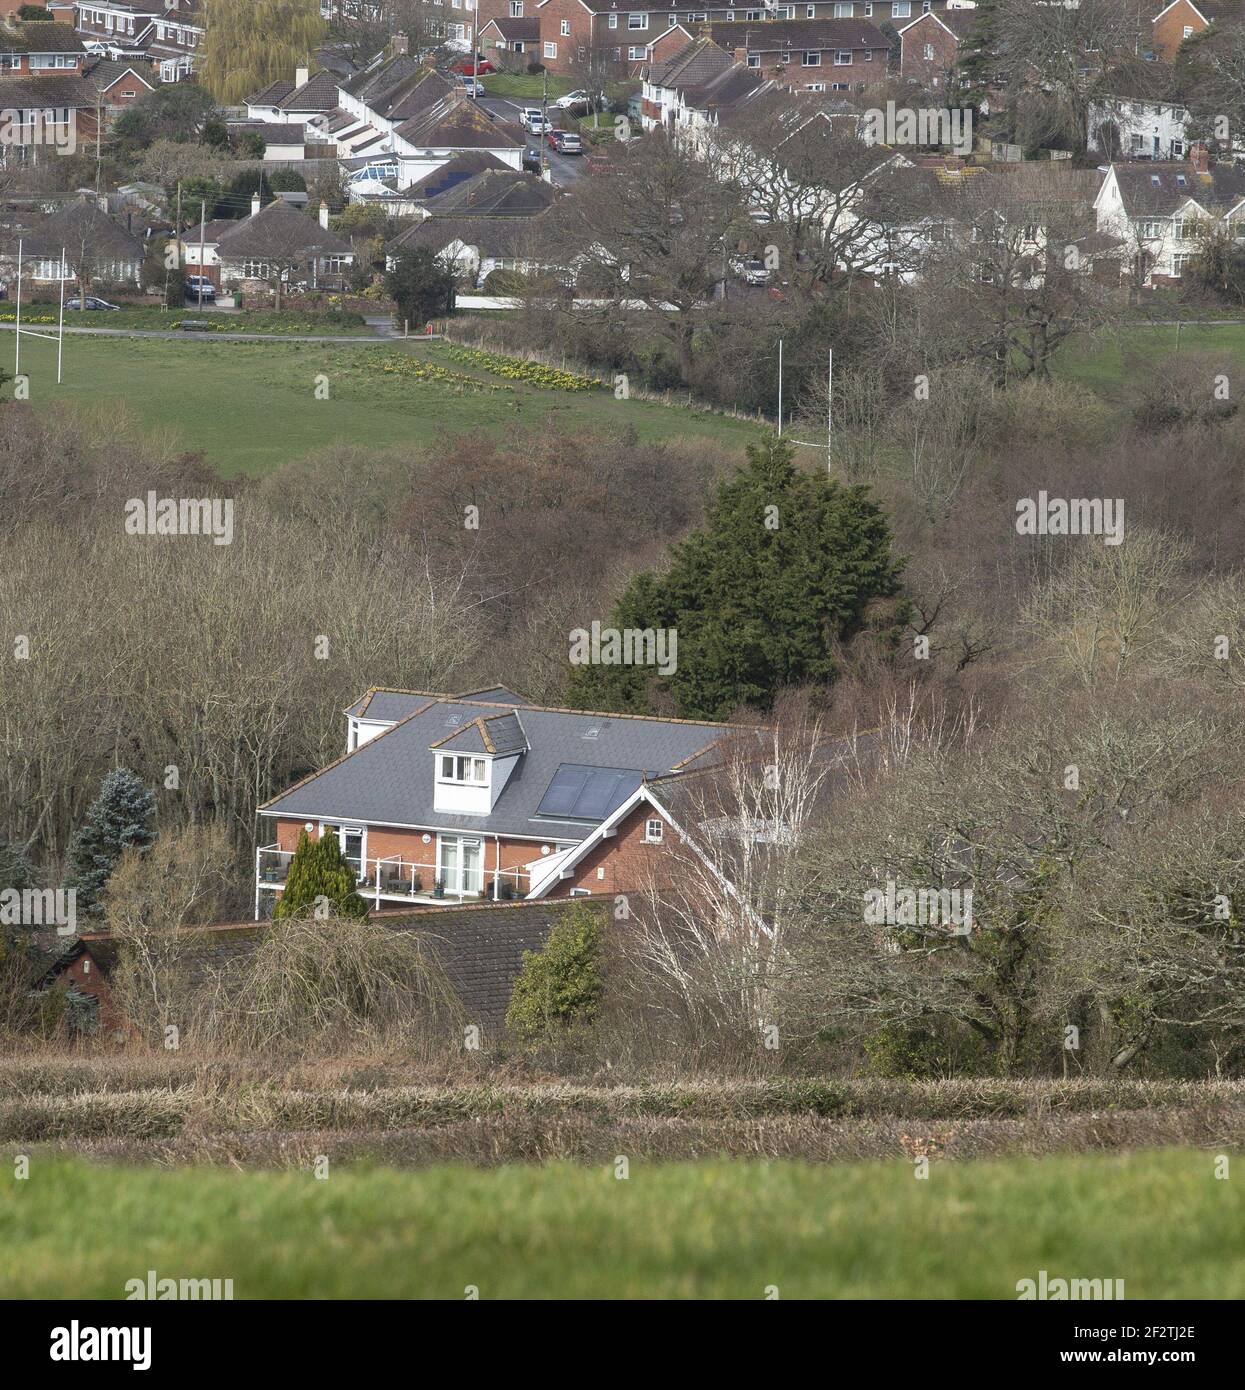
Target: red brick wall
<point x="794" y="74"/>
<point x="930" y="72"/>
<point x="84" y="975"/>
<point x="624" y="863"/>
<point x="1168" y="30"/>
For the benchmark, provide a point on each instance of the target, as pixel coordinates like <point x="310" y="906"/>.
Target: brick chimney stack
<point x="741" y="56"/>
<point x="324" y="214"/>
<point x="300" y="76"/>
<point x="254" y="203"/>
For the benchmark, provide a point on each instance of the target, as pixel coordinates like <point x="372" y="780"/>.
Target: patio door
<point x="460" y="865"/>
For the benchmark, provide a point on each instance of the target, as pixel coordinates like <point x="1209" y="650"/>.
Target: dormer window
<point x="461" y="769"/>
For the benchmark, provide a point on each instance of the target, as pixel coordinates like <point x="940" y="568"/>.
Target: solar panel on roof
<point x="576" y="792"/>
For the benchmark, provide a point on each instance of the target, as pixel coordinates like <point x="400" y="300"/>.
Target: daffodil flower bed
<point x="416" y="369"/>
<point x="520" y="369"/>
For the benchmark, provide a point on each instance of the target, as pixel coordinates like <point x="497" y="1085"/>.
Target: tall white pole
<point x="60" y="328"/>
<point x="17" y="361"/>
<point x="780" y="386"/>
<point x="830" y="413"/>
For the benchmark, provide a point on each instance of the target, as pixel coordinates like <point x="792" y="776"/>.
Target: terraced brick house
<point x="484" y="795"/>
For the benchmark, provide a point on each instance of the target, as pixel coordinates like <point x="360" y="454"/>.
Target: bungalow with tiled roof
<point x="275" y="246"/>
<point x="39" y="46"/>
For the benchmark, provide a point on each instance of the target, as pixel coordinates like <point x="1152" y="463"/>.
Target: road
<point x="566" y="169"/>
<point x="212" y="337"/>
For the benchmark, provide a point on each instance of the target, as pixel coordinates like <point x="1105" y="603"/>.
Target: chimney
<point x="300" y="77"/>
<point x="324" y="214"/>
<point x="1199" y="156"/>
<point x="254" y="203"/>
<point x="399" y="45"/>
<point x="741" y="56"/>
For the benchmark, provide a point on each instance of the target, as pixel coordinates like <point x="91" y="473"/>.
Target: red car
<point x="471" y="69"/>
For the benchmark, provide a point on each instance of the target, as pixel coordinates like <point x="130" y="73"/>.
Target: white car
<point x="573" y="99"/>
<point x="472" y="86"/>
<point x="751" y="271"/>
<point x="538" y="125"/>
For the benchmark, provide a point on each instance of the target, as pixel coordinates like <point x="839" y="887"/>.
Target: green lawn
<point x="525" y="84"/>
<point x="1159" y="1220"/>
<point x="151" y="316"/>
<point x="1109" y="361"/>
<point x="252" y="406"/>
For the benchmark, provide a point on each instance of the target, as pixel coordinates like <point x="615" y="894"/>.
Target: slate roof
<point x="397" y="704"/>
<point x="693" y="65"/>
<point x="1158" y="188"/>
<point x="40" y="36"/>
<point x="493" y="733"/>
<point x="389" y="779"/>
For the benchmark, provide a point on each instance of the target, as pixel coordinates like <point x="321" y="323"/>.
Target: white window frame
<point x="901" y="9"/>
<point x="637" y="53"/>
<point x="550" y="50"/>
<point x="613" y="21"/>
<point x="842" y="58"/>
<point x="565" y="30"/>
<point x="811" y="59"/>
<point x="637" y="22"/>
<point x="462" y="771"/>
<point x="650" y="823"/>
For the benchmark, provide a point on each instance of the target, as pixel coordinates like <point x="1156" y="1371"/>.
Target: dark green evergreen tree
<point x="761" y="596"/>
<point x="121" y="817"/>
<point x="977" y="63"/>
<point x="421" y="286"/>
<point x="319" y="872"/>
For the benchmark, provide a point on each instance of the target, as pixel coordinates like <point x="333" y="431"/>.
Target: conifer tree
<point x="319" y="875"/>
<point x="121" y="817"/>
<point x="781" y="573"/>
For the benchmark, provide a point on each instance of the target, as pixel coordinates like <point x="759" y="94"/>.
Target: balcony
<point x="396" y="880"/>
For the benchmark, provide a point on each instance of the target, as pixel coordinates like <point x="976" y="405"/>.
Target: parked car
<point x="473" y="66"/>
<point x="566" y="142"/>
<point x="751" y="271"/>
<point x="471" y="86"/>
<point x="91" y="303"/>
<point x="531" y="161"/>
<point x="538" y="124"/>
<point x="195" y="283"/>
<point x="573" y="100"/>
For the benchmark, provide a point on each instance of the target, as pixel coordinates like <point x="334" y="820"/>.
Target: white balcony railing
<point x="394" y="879"/>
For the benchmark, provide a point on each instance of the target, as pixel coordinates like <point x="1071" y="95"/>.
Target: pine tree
<point x="121" y="817"/>
<point x="319" y="873"/>
<point x="782" y="572"/>
<point x="977" y="60"/>
<point x="15" y="868"/>
<point x="561" y="984"/>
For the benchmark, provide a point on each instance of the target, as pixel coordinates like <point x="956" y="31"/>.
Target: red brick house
<point x="819" y="55"/>
<point x="485" y="796"/>
<point x="1180" y="20"/>
<point x="930" y="44"/>
<point x="120" y="83"/>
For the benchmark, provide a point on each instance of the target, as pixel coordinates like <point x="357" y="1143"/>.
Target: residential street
<point x="566" y="169"/>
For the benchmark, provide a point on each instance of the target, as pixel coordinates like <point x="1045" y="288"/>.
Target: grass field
<point x="251" y="407"/>
<point x="151" y="316"/>
<point x="1108" y="362"/>
<point x="1160" y="1221"/>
